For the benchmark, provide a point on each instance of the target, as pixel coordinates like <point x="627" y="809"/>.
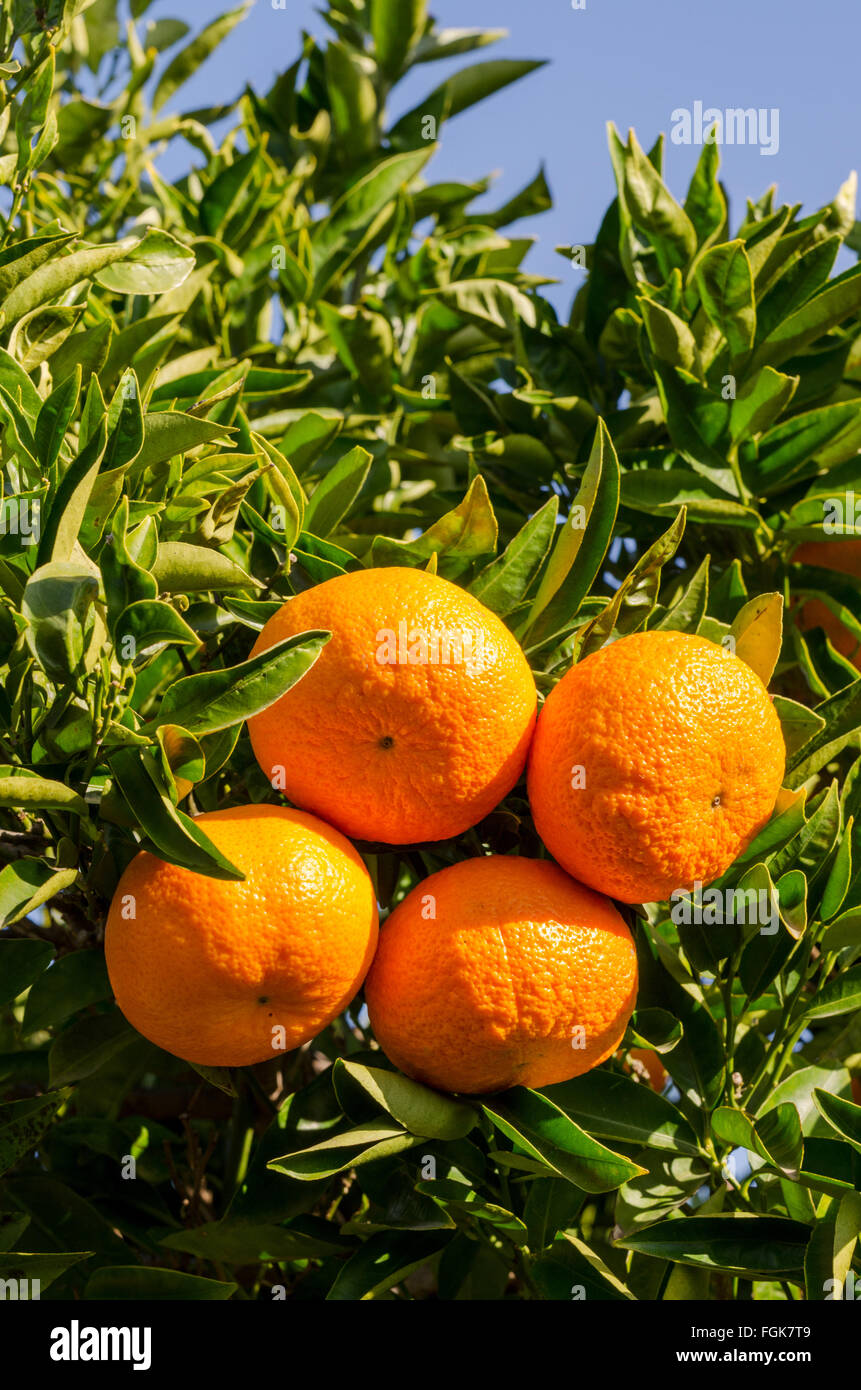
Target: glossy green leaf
<point x="547" y="1135"/>
<point x="214" y="700"/>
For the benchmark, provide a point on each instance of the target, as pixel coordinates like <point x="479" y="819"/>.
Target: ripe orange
<point x="212" y="971"/>
<point x="651" y="1064"/>
<point x="500" y="972"/>
<point x="416" y="719"/>
<point x="844" y="557"/>
<point x="655" y="762"/>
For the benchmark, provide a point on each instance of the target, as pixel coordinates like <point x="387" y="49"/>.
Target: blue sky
<point x="623" y="60"/>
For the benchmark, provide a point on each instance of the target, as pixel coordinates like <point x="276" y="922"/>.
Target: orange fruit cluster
<point x="653" y="763"/>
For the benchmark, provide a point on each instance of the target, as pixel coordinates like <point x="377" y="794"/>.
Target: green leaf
<point x="840" y="996"/>
<point x="54" y="418"/>
<point x="616" y="1107"/>
<point x="725" y="283"/>
<point x="779" y="1139"/>
<point x="86" y="1045"/>
<point x="796" y="284"/>
<point x="157" y="263"/>
<point x="57" y="605"/>
<point x="670" y="337"/>
<point x="799" y="1087"/>
<point x="214" y="700"/>
<point x="547" y="1135"/>
<point x="28" y="883"/>
<point x="818" y="316"/>
<point x="335" y="494"/>
<point x="571" y="1265"/>
<point x="420" y="1110"/>
<point x="351" y="1147"/>
<point x="226" y="192"/>
<point x="73" y="982"/>
<point x="839" y="876"/>
<point x="463" y="535"/>
<point x="830" y="435"/>
<point x="20" y="259"/>
<point x="182" y="568"/>
<point x="842" y="719"/>
<point x="396" y="26"/>
<point x="666" y="491"/>
<point x="740" y="1243"/>
<point x="147" y="625"/>
<point x="352" y="101"/>
<point x="23" y="1123"/>
<point x="385" y="1259"/>
<point x="242" y="1243"/>
<point x="69" y="505"/>
<point x="503" y="584"/>
<point x="45" y="1268"/>
<point x="798" y="722"/>
<point x="450" y="43"/>
<point x="174" y="836"/>
<point x="170" y="432"/>
<point x="465" y="88"/>
<point x="581" y="544"/>
<point x="842" y="1116"/>
<point x="636" y="593"/>
<point x="654" y="210"/>
<point x="26" y="790"/>
<point x="763" y="397"/>
<point x="185" y="63"/>
<point x="689" y="608"/>
<point x="698" y="422"/>
<point x="705" y="203"/>
<point x="56" y="276"/>
<point x="147" y="1283"/>
<point x="21" y="962"/>
<point x="489" y="301"/>
<point x="844" y="931"/>
<point x="125" y="424"/>
<point x="341" y="236"/>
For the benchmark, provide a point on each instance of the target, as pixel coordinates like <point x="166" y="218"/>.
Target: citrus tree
<point x="305" y="359"/>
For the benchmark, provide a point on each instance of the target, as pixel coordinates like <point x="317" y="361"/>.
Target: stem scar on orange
<point x="501" y="972"/>
<point x="656" y="760"/>
<point x="414" y="722"/>
<point x="227" y="974"/>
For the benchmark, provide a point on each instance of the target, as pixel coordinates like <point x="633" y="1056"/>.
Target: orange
<point x="844" y="557"/>
<point x="655" y="762"/>
<point x="416" y="719"/>
<point x="501" y="972"/>
<point x="225" y="974"/>
<point x="651" y="1064"/>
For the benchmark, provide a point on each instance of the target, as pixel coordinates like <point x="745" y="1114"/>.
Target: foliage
<point x="306" y="356"/>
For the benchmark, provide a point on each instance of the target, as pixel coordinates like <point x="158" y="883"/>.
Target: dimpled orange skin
<point x="682" y="755"/>
<point x="207" y="968"/>
<point x="393" y="753"/>
<point x="844" y="557"/>
<point x="489" y="993"/>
